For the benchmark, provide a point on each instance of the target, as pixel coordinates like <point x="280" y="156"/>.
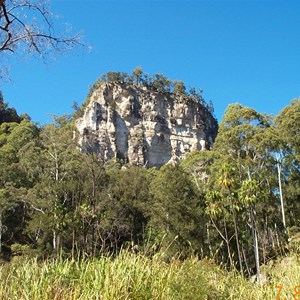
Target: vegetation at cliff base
<point x="220" y="223"/>
<point x="75" y="227"/>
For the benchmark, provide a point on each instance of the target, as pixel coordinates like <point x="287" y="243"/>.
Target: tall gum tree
<point x="14" y="138"/>
<point x="49" y="197"/>
<point x="238" y="143"/>
<point x="287" y="149"/>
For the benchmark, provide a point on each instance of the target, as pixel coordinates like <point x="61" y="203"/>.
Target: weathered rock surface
<point x="144" y="127"/>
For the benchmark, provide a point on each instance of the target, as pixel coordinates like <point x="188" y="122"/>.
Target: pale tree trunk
<point x="227" y="244"/>
<point x="245" y="260"/>
<point x="226" y="239"/>
<point x="55" y="238"/>
<point x="237" y="240"/>
<point x="73" y="244"/>
<point x="276" y="235"/>
<point x="255" y="243"/>
<point x="254" y="236"/>
<point x="54" y="241"/>
<point x="208" y="240"/>
<point x="281" y="199"/>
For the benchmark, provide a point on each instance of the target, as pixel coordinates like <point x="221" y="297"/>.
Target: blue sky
<point x="236" y="51"/>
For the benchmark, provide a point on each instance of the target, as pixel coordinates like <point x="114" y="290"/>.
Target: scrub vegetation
<point x="219" y="224"/>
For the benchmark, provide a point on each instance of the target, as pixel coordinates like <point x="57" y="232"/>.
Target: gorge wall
<point x="143" y="126"/>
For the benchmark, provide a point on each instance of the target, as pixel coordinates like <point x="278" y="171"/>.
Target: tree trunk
<point x="208" y="240"/>
<point x="54" y="242"/>
<point x="73" y="244"/>
<point x="227" y="245"/>
<point x="254" y="236"/>
<point x="93" y="209"/>
<point x="245" y="260"/>
<point x="237" y="240"/>
<point x="281" y="200"/>
<point x="255" y="242"/>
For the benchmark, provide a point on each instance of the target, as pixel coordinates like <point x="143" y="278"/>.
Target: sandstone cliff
<point x="142" y="126"/>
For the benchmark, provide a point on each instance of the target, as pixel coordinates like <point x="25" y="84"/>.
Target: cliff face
<point x="144" y="127"/>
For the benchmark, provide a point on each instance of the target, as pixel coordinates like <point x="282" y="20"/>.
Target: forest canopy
<point x="237" y="203"/>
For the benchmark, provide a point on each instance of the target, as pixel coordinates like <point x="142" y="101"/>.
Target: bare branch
<point x="27" y="25"/>
<point x="33" y="207"/>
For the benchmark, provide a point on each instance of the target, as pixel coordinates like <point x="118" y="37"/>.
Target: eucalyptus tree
<point x="216" y="210"/>
<point x="123" y="213"/>
<point x="58" y="163"/>
<point x="161" y="82"/>
<point x="14" y="138"/>
<point x="137" y="73"/>
<point x="287" y="127"/>
<point x="281" y="144"/>
<point x="238" y="142"/>
<point x="228" y="185"/>
<point x="203" y="173"/>
<point x="176" y="213"/>
<point x="89" y="209"/>
<point x="7" y="114"/>
<point x="179" y="87"/>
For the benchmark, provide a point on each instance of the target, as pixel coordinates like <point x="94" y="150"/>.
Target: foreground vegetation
<point x="135" y="276"/>
<point x="237" y="204"/>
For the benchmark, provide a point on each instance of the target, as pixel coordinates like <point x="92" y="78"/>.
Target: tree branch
<point x="18" y="32"/>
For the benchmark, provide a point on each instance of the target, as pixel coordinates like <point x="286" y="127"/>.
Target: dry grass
<point x="137" y="277"/>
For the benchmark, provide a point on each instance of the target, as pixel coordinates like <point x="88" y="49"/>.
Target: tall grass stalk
<point x="134" y="276"/>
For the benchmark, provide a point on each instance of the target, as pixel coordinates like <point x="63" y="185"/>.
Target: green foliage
<point x="124" y="277"/>
<point x="123" y="213"/>
<point x="289" y="124"/>
<point x="173" y="192"/>
<point x="179" y="88"/>
<point x="56" y="200"/>
<point x="15" y="138"/>
<point x="137" y="73"/>
<point x="294" y="236"/>
<point x="157" y="82"/>
<point x="7" y="114"/>
<point x="161" y="83"/>
<point x="249" y="192"/>
<point x="136" y="277"/>
<point x="214" y="206"/>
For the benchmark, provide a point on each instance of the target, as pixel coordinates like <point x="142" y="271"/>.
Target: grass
<point x="138" y="277"/>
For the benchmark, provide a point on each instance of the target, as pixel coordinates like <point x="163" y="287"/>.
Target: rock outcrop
<point x="143" y="126"/>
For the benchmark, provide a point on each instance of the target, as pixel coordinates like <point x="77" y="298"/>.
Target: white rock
<point x="144" y="127"/>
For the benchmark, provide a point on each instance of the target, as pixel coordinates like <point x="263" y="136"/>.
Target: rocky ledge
<point x="143" y="126"/>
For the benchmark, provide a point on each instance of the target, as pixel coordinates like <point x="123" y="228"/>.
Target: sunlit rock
<point x="143" y="126"/>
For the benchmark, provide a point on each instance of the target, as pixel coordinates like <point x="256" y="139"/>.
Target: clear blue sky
<point x="237" y="51"/>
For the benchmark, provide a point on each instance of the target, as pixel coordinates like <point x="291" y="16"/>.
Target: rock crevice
<point x="144" y="127"/>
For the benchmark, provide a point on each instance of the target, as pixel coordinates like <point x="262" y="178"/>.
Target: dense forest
<point x="218" y="224"/>
<point x="237" y="204"/>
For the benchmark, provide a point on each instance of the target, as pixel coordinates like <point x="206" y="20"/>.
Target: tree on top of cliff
<point x="156" y="83"/>
<point x="138" y="74"/>
<point x="161" y="82"/>
<point x="179" y="87"/>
